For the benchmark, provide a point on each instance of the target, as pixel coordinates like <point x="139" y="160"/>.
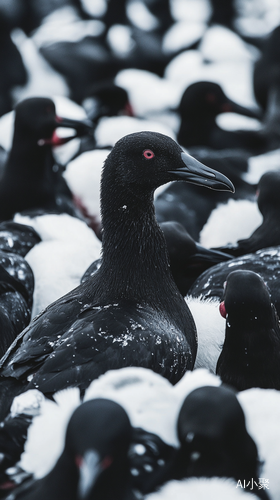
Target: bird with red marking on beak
<point x="29" y="180"/>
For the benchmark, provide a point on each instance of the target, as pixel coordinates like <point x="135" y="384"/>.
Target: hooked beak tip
<point x="196" y="172"/>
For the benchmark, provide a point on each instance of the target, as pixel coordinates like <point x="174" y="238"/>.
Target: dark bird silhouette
<point x="268" y="233"/>
<point x="200" y="105"/>
<point x="130" y="313"/>
<point x="266" y="77"/>
<point x="29" y="181"/>
<point x="94" y="463"/>
<point x="251" y="352"/>
<point x="16" y="280"/>
<point x="12" y="69"/>
<point x="265" y="262"/>
<point x="104" y="98"/>
<point x="214" y="439"/>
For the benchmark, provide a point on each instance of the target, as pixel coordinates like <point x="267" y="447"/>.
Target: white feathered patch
<point x="27" y="403"/>
<point x="68" y="248"/>
<point x="201" y="489"/>
<point x="147" y="397"/>
<point x="46" y="434"/>
<point x="147" y="92"/>
<point x="110" y="130"/>
<point x="200" y="377"/>
<point x="262" y="412"/>
<point x="222" y="44"/>
<point x="235" y="220"/>
<point x="260" y="164"/>
<point x="210" y="327"/>
<point x="83" y="178"/>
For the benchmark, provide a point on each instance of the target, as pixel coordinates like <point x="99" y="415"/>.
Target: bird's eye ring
<point x="148" y="154"/>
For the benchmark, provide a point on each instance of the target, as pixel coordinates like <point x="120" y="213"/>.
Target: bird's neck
<point x="249" y="358"/>
<point x="27" y="157"/>
<point x="135" y="261"/>
<point x="250" y="339"/>
<point x="195" y="131"/>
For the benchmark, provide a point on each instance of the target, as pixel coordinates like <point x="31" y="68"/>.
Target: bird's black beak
<point x="89" y="470"/>
<point x="232" y="107"/>
<point x="197" y="173"/>
<point x="208" y="257"/>
<point x="82" y="127"/>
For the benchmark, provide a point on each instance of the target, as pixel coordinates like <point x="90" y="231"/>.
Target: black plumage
<point x="251" y="352"/>
<point x="214" y="439"/>
<point x="16" y="297"/>
<point x="266" y="77"/>
<point x="17" y="238"/>
<point x="265" y="262"/>
<point x="152" y="463"/>
<point x="12" y="68"/>
<point x="16" y="280"/>
<point x="105" y="98"/>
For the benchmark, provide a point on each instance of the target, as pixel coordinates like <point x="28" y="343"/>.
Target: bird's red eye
<point x="223" y="311"/>
<point x="148" y="154"/>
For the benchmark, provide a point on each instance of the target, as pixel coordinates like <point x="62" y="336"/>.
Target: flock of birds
<point x="140" y="335"/>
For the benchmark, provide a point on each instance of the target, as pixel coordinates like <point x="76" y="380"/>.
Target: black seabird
<point x="29" y="181"/>
<point x="214" y="439"/>
<point x="200" y="105"/>
<point x="251" y="352"/>
<point x="130" y="313"/>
